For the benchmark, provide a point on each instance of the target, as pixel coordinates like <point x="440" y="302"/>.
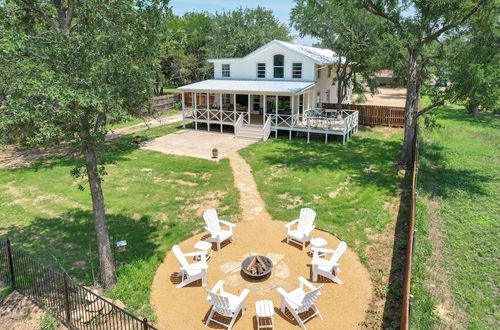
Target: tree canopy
<point x="67" y="70"/>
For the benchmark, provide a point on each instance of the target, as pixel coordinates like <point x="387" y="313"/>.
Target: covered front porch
<point x="289" y="106"/>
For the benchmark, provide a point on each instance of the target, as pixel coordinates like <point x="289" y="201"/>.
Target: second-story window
<point x="261" y="70"/>
<point x="279" y="66"/>
<point x="226" y="70"/>
<point x="297" y="70"/>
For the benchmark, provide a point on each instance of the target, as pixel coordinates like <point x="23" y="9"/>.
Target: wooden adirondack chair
<point x="328" y="268"/>
<point x="213" y="226"/>
<point x="299" y="301"/>
<point x="305" y="224"/>
<point x="191" y="272"/>
<point x="225" y="304"/>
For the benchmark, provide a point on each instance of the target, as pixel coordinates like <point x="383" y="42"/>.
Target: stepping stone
<point x="230" y="267"/>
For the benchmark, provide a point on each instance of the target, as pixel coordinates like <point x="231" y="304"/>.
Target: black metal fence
<point x="69" y="302"/>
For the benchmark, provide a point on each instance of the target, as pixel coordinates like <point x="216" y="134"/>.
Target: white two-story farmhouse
<point x="278" y="87"/>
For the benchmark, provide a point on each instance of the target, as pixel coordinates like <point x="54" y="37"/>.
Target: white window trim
<point x="301" y="70"/>
<point x="279" y="66"/>
<point x="228" y="70"/>
<point x="265" y="68"/>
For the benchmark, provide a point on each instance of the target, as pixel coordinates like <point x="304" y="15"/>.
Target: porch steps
<point x="254" y="133"/>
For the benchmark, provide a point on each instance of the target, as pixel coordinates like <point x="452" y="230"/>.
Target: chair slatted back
<point x="211" y="219"/>
<point x="306" y="219"/>
<point x="180" y="256"/>
<point x="338" y="252"/>
<point x="309" y="299"/>
<point x="220" y="303"/>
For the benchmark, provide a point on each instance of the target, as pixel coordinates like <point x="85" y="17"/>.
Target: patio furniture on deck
<point x="213" y="226"/>
<point x="328" y="268"/>
<point x="305" y="224"/>
<point x="225" y="304"/>
<point x="265" y="313"/>
<point x="192" y="272"/>
<point x="299" y="301"/>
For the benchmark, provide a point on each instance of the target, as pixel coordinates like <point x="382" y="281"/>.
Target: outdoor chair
<point x="305" y="224"/>
<point x="328" y="268"/>
<point x="191" y="272"/>
<point x="225" y="304"/>
<point x="213" y="226"/>
<point x="299" y="301"/>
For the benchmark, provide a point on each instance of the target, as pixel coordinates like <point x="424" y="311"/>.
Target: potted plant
<point x="215" y="153"/>
<point x="137" y="139"/>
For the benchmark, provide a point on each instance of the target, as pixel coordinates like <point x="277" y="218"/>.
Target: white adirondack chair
<point x="298" y="301"/>
<point x="328" y="268"/>
<point x="191" y="272"/>
<point x="225" y="304"/>
<point x="305" y="224"/>
<point x="213" y="226"/>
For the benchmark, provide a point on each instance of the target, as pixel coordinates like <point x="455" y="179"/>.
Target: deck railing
<point x="281" y="120"/>
<point x="238" y="124"/>
<point x="267" y="129"/>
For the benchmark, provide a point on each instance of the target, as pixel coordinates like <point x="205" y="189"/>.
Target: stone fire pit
<point x="257" y="267"/>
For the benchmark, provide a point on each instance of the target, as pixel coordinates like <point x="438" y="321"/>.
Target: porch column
<point x="208" y="111"/>
<point x="195" y="111"/>
<point x="234" y="108"/>
<point x="292" y="124"/>
<point x="183" y="114"/>
<point x="277" y="123"/>
<point x="220" y="109"/>
<point x="248" y="110"/>
<point x="264" y="109"/>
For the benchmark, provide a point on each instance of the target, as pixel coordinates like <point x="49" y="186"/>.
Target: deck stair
<point x="247" y="132"/>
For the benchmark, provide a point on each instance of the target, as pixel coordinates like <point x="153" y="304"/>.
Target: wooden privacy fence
<point x="165" y="102"/>
<point x="410" y="247"/>
<point x="71" y="303"/>
<point x="375" y="114"/>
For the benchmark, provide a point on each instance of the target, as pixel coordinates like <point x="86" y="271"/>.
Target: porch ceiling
<point x="270" y="87"/>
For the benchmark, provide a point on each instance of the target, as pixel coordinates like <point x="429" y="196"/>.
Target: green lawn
<point x="352" y="187"/>
<point x="152" y="200"/>
<point x="456" y="271"/>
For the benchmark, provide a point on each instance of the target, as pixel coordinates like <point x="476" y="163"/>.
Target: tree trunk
<point x="411" y="108"/>
<point x="107" y="265"/>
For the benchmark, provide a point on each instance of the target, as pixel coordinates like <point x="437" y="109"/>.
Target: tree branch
<point x="48" y="19"/>
<point x="372" y="8"/>
<point x="429" y="107"/>
<point x="450" y="26"/>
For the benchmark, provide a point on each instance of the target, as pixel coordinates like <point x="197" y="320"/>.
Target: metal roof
<point x="318" y="55"/>
<point x="248" y="86"/>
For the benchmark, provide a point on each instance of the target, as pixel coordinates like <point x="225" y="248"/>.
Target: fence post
<point x="145" y="323"/>
<point x="66" y="297"/>
<point x="11" y="265"/>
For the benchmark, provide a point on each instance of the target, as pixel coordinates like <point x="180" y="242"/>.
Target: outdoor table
<point x="265" y="310"/>
<point x="203" y="246"/>
<point x="317" y="243"/>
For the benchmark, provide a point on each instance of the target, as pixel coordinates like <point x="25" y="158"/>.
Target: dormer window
<point x="279" y="66"/>
<point x="297" y="70"/>
<point x="226" y="70"/>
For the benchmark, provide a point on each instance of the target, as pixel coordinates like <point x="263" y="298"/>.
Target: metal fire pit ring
<point x="260" y="276"/>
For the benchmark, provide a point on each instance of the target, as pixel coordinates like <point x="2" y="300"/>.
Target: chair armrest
<point x="244" y="295"/>
<point x="218" y="286"/>
<point x="227" y="223"/>
<point x="213" y="232"/>
<point x="305" y="282"/>
<point x="197" y="253"/>
<point x="286" y="296"/>
<point x="195" y="267"/>
<point x="291" y="223"/>
<point x="309" y="230"/>
<point x="323" y="250"/>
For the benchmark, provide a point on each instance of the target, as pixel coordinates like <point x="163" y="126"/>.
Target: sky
<point x="280" y="8"/>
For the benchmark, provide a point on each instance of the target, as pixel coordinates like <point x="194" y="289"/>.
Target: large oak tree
<point x="70" y="67"/>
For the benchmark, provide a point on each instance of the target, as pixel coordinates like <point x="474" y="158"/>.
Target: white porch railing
<point x="216" y="115"/>
<point x="266" y="129"/>
<point x="280" y="120"/>
<point x="237" y="125"/>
